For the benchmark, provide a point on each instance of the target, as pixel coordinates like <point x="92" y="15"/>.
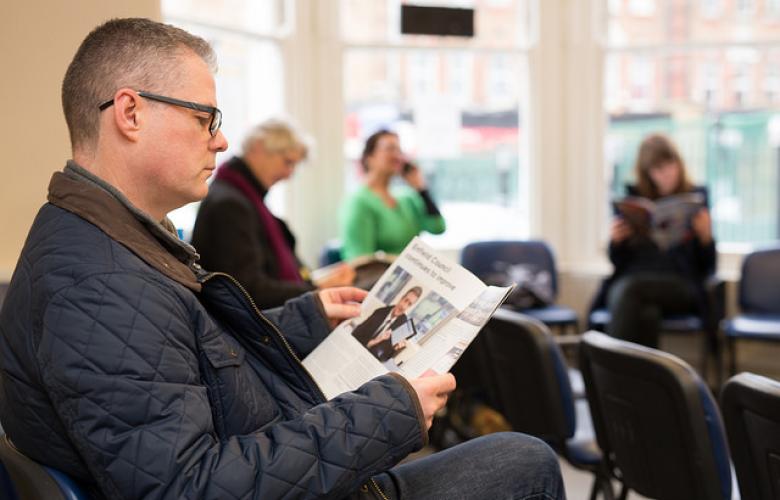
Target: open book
<point x="418" y="318"/>
<point x="667" y="221"/>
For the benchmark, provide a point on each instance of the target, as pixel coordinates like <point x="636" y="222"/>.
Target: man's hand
<point x="341" y="303"/>
<point x="379" y="338"/>
<point x="414" y="177"/>
<point x="433" y="392"/>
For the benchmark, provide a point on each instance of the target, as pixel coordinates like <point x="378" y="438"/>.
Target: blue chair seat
<point x="584" y="452"/>
<point x="761" y="327"/>
<point x="553" y="315"/>
<point x="582" y="447"/>
<point x="759" y="301"/>
<point x="30" y="479"/>
<point x="482" y="258"/>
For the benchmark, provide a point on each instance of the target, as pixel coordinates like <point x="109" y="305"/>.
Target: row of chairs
<point x="648" y="421"/>
<point x="759" y="298"/>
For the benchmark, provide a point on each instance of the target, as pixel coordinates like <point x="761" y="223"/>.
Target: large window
<point x="458" y="106"/>
<point x="246" y="36"/>
<point x="708" y="74"/>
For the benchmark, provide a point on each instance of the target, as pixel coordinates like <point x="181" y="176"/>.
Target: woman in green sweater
<point x="374" y="218"/>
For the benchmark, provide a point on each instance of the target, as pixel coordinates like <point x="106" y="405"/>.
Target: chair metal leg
<point x="603" y="485"/>
<point x="602" y="482"/>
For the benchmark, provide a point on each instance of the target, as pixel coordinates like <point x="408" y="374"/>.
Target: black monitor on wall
<point x="441" y="21"/>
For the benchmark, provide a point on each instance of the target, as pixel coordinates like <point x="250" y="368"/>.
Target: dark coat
<point x="232" y="238"/>
<point x="130" y="369"/>
<point x="691" y="260"/>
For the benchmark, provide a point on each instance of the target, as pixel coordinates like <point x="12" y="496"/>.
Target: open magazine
<point x="667" y="221"/>
<point x="418" y="318"/>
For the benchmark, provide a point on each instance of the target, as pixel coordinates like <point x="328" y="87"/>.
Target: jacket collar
<point x="239" y="165"/>
<point x="94" y="200"/>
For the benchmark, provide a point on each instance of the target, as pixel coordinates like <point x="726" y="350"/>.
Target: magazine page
<point x="420" y="316"/>
<point x="666" y="221"/>
<point x="635" y="210"/>
<point x="672" y="218"/>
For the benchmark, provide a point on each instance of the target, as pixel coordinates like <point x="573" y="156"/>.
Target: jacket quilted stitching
<point x="131" y="382"/>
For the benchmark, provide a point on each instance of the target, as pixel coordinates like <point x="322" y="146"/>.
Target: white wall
<point x="37" y="41"/>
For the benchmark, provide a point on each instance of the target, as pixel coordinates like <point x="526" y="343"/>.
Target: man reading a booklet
<point x="138" y="374"/>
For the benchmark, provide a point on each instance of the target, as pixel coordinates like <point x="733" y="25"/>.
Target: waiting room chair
<point x="688" y="324"/>
<point x="656" y="422"/>
<point x="751" y="412"/>
<point x="330" y="253"/>
<point x="481" y="258"/>
<point x="33" y="481"/>
<point x="533" y="390"/>
<point x="759" y="302"/>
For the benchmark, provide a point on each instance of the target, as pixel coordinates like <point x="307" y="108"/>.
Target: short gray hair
<point x="278" y="136"/>
<point x="135" y="53"/>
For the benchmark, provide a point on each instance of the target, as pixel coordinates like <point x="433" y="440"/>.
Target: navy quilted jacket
<point x="129" y="370"/>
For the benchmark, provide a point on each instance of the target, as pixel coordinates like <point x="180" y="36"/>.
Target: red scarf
<point x="287" y="264"/>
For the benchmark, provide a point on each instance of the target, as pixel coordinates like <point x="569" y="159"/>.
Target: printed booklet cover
<point x="418" y="318"/>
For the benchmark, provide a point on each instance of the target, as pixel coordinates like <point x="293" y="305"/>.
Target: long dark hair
<point x="655" y="150"/>
<point x="371" y="144"/>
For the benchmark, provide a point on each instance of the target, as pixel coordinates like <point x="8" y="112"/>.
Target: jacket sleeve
<point x="227" y="233"/>
<point x="119" y="360"/>
<point x="302" y="321"/>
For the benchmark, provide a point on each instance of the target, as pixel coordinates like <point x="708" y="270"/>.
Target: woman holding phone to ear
<point x="377" y="218"/>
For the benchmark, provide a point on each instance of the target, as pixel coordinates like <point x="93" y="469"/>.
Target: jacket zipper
<point x="273" y="327"/>
<point x="287" y="346"/>
<point x="378" y="489"/>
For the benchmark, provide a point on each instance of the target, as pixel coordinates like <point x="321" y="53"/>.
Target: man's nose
<point x="219" y="142"/>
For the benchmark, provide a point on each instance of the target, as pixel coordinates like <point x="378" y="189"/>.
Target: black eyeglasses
<point x="216" y="114"/>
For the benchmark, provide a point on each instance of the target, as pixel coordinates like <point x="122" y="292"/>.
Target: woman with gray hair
<point x="236" y="233"/>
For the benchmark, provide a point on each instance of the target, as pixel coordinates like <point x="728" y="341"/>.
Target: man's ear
<point x="127" y="113"/>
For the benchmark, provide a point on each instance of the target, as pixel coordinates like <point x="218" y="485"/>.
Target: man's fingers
<point x="343" y="311"/>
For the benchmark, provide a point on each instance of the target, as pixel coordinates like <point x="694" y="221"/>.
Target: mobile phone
<point x="408" y="167"/>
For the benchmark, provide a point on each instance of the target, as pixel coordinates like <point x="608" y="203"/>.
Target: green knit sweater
<point x="369" y="225"/>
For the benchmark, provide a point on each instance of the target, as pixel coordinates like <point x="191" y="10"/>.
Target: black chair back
<point x="480" y="257"/>
<point x="531" y="384"/>
<point x="655" y="421"/>
<point x="751" y="411"/>
<point x="758" y="290"/>
<point x="33" y="481"/>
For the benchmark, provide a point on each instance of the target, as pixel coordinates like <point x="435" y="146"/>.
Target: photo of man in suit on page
<point x="377" y="329"/>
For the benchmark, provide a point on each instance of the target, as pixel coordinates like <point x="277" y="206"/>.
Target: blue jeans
<point x="505" y="465"/>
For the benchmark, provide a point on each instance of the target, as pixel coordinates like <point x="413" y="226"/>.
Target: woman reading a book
<point x="377" y="218"/>
<point x="236" y="233"/>
<point x="659" y="269"/>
